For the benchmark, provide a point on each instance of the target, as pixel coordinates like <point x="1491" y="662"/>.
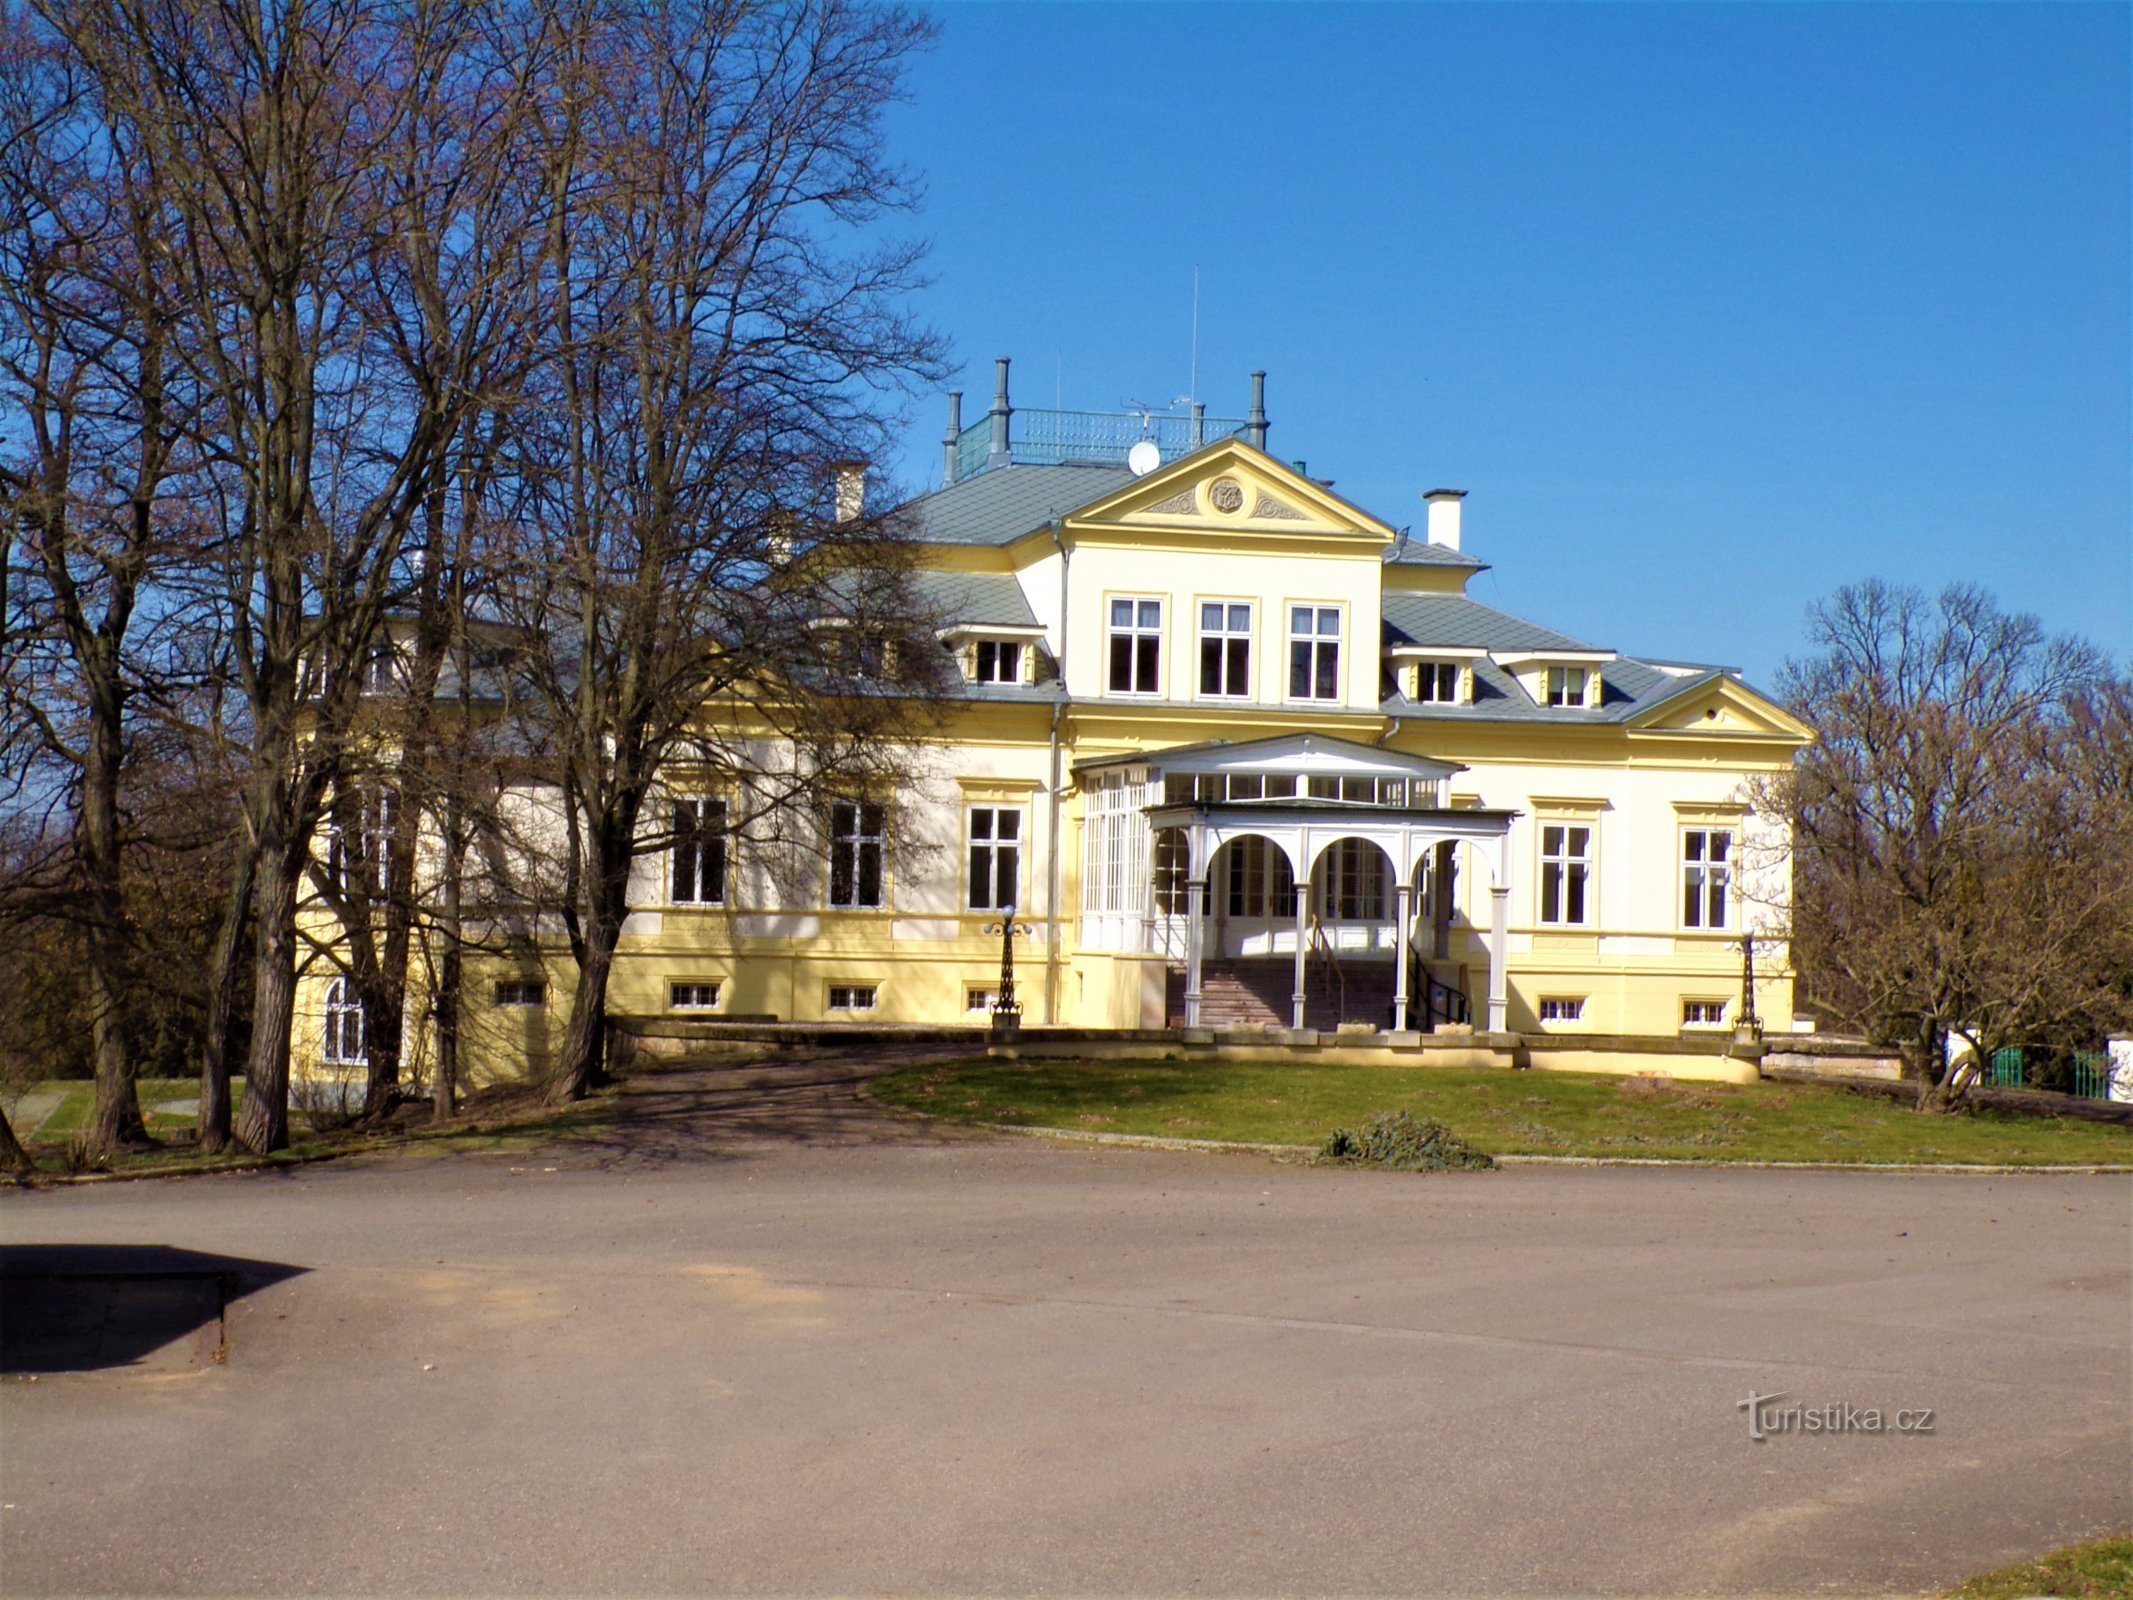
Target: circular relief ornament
<point x="1226" y="494"/>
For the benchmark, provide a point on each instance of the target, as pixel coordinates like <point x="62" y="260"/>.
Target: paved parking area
<point x="761" y="1340"/>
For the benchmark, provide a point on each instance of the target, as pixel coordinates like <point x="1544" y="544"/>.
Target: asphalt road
<point x="763" y="1340"/>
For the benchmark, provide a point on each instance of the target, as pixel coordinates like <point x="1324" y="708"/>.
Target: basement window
<point x="692" y="996"/>
<point x="1562" y="1008"/>
<point x="515" y="993"/>
<point x="852" y="996"/>
<point x="1703" y="1013"/>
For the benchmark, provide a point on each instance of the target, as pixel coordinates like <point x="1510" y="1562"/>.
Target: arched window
<point x="1352" y="882"/>
<point x="344" y="1026"/>
<point x="1260" y="884"/>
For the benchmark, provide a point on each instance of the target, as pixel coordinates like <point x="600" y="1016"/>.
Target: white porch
<point x="1293" y="845"/>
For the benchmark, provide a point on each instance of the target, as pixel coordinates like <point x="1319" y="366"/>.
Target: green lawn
<point x="1504" y="1113"/>
<point x="2102" y="1570"/>
<point x="72" y="1112"/>
<point x="518" y="1122"/>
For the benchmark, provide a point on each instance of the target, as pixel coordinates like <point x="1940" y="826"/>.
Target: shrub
<point x="1395" y="1139"/>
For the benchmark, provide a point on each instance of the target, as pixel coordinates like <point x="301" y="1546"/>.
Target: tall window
<point x="855" y="853"/>
<point x="1706" y="876"/>
<point x="1136" y="646"/>
<point x="999" y="661"/>
<point x="1566" y="873"/>
<point x="344" y="1026"/>
<point x="1314" y="652"/>
<point x="1437" y="682"/>
<point x="1225" y="648"/>
<point x="359" y="851"/>
<point x="1260" y="882"/>
<point x="699" y="853"/>
<point x="1353" y="882"/>
<point x="1172" y="864"/>
<point x="1566" y="686"/>
<point x="995" y="856"/>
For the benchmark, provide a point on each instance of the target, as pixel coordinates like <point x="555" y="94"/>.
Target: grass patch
<point x="1503" y="1113"/>
<point x="2099" y="1570"/>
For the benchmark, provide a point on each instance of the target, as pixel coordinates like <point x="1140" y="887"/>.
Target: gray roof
<point x="1002" y="504"/>
<point x="1453" y="619"/>
<point x="979" y="598"/>
<point x="1628" y="689"/>
<point x="1407" y="551"/>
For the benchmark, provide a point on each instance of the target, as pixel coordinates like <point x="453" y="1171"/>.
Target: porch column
<point x="1402" y="899"/>
<point x="1195" y="899"/>
<point x="1499" y="939"/>
<point x="1303" y="911"/>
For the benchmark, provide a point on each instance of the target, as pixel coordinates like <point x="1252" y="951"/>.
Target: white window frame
<point x="1135" y="630"/>
<point x="983" y="847"/>
<point x="980" y="997"/>
<point x="1556" y="684"/>
<point x="693" y="988"/>
<point x="1432" y="673"/>
<point x="1006" y="663"/>
<point x="1566" y="1008"/>
<point x="851" y="850"/>
<point x="1571" y="866"/>
<point x="1224" y="636"/>
<point x="520" y="992"/>
<point x="376" y="814"/>
<point x="345" y="1021"/>
<point x="1357" y="882"/>
<point x="856" y="997"/>
<point x="701" y="842"/>
<point x="1703" y="876"/>
<point x="1315" y="641"/>
<point x="1687" y="1021"/>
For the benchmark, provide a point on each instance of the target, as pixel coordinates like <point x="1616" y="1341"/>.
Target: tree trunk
<point x="264" y="1125"/>
<point x="15" y="1161"/>
<point x="214" y="1135"/>
<point x="444" y="1093"/>
<point x="583" y="1062"/>
<point x="1930" y="1056"/>
<point x="115" y="1122"/>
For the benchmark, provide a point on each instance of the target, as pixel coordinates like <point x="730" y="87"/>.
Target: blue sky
<point x="1710" y="307"/>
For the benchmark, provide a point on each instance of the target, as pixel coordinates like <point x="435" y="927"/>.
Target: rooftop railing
<point x="1101" y="438"/>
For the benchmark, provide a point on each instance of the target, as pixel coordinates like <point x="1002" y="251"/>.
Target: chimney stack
<point x="999" y="452"/>
<point x="851" y="489"/>
<point x="1255" y="420"/>
<point x="948" y="439"/>
<point x="1444" y="517"/>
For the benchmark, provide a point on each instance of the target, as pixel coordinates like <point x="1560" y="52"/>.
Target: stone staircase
<point x="1252" y="992"/>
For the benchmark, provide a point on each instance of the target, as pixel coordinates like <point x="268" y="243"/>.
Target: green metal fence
<point x="2089" y="1078"/>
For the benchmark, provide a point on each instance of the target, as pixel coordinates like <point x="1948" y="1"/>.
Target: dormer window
<point x="1437" y="683"/>
<point x="1560" y="679"/>
<point x="1435" y="674"/>
<point x="997" y="661"/>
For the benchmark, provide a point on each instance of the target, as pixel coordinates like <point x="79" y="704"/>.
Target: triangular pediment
<point x="1230" y="490"/>
<point x="1722" y="704"/>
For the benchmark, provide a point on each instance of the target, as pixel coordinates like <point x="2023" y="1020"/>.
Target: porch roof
<point x="1305" y="754"/>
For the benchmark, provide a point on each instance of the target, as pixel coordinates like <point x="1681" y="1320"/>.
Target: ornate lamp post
<point x="1006" y="1009"/>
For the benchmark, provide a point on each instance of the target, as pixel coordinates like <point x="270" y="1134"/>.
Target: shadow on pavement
<point x="90" y="1307"/>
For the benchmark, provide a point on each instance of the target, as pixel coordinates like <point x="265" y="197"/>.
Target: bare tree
<point x="339" y="367"/>
<point x="88" y="361"/>
<point x="1959" y="867"/>
<point x="722" y="329"/>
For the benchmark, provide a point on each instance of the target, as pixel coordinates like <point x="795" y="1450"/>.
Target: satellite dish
<point x="1144" y="458"/>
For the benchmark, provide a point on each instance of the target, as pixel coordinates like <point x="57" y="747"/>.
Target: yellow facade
<point x="1223" y="596"/>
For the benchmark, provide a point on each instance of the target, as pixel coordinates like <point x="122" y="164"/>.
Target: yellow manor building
<point x="1234" y="753"/>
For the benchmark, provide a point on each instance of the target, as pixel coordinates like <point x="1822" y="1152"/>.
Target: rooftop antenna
<point x="1146" y="455"/>
<point x="1192" y="380"/>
